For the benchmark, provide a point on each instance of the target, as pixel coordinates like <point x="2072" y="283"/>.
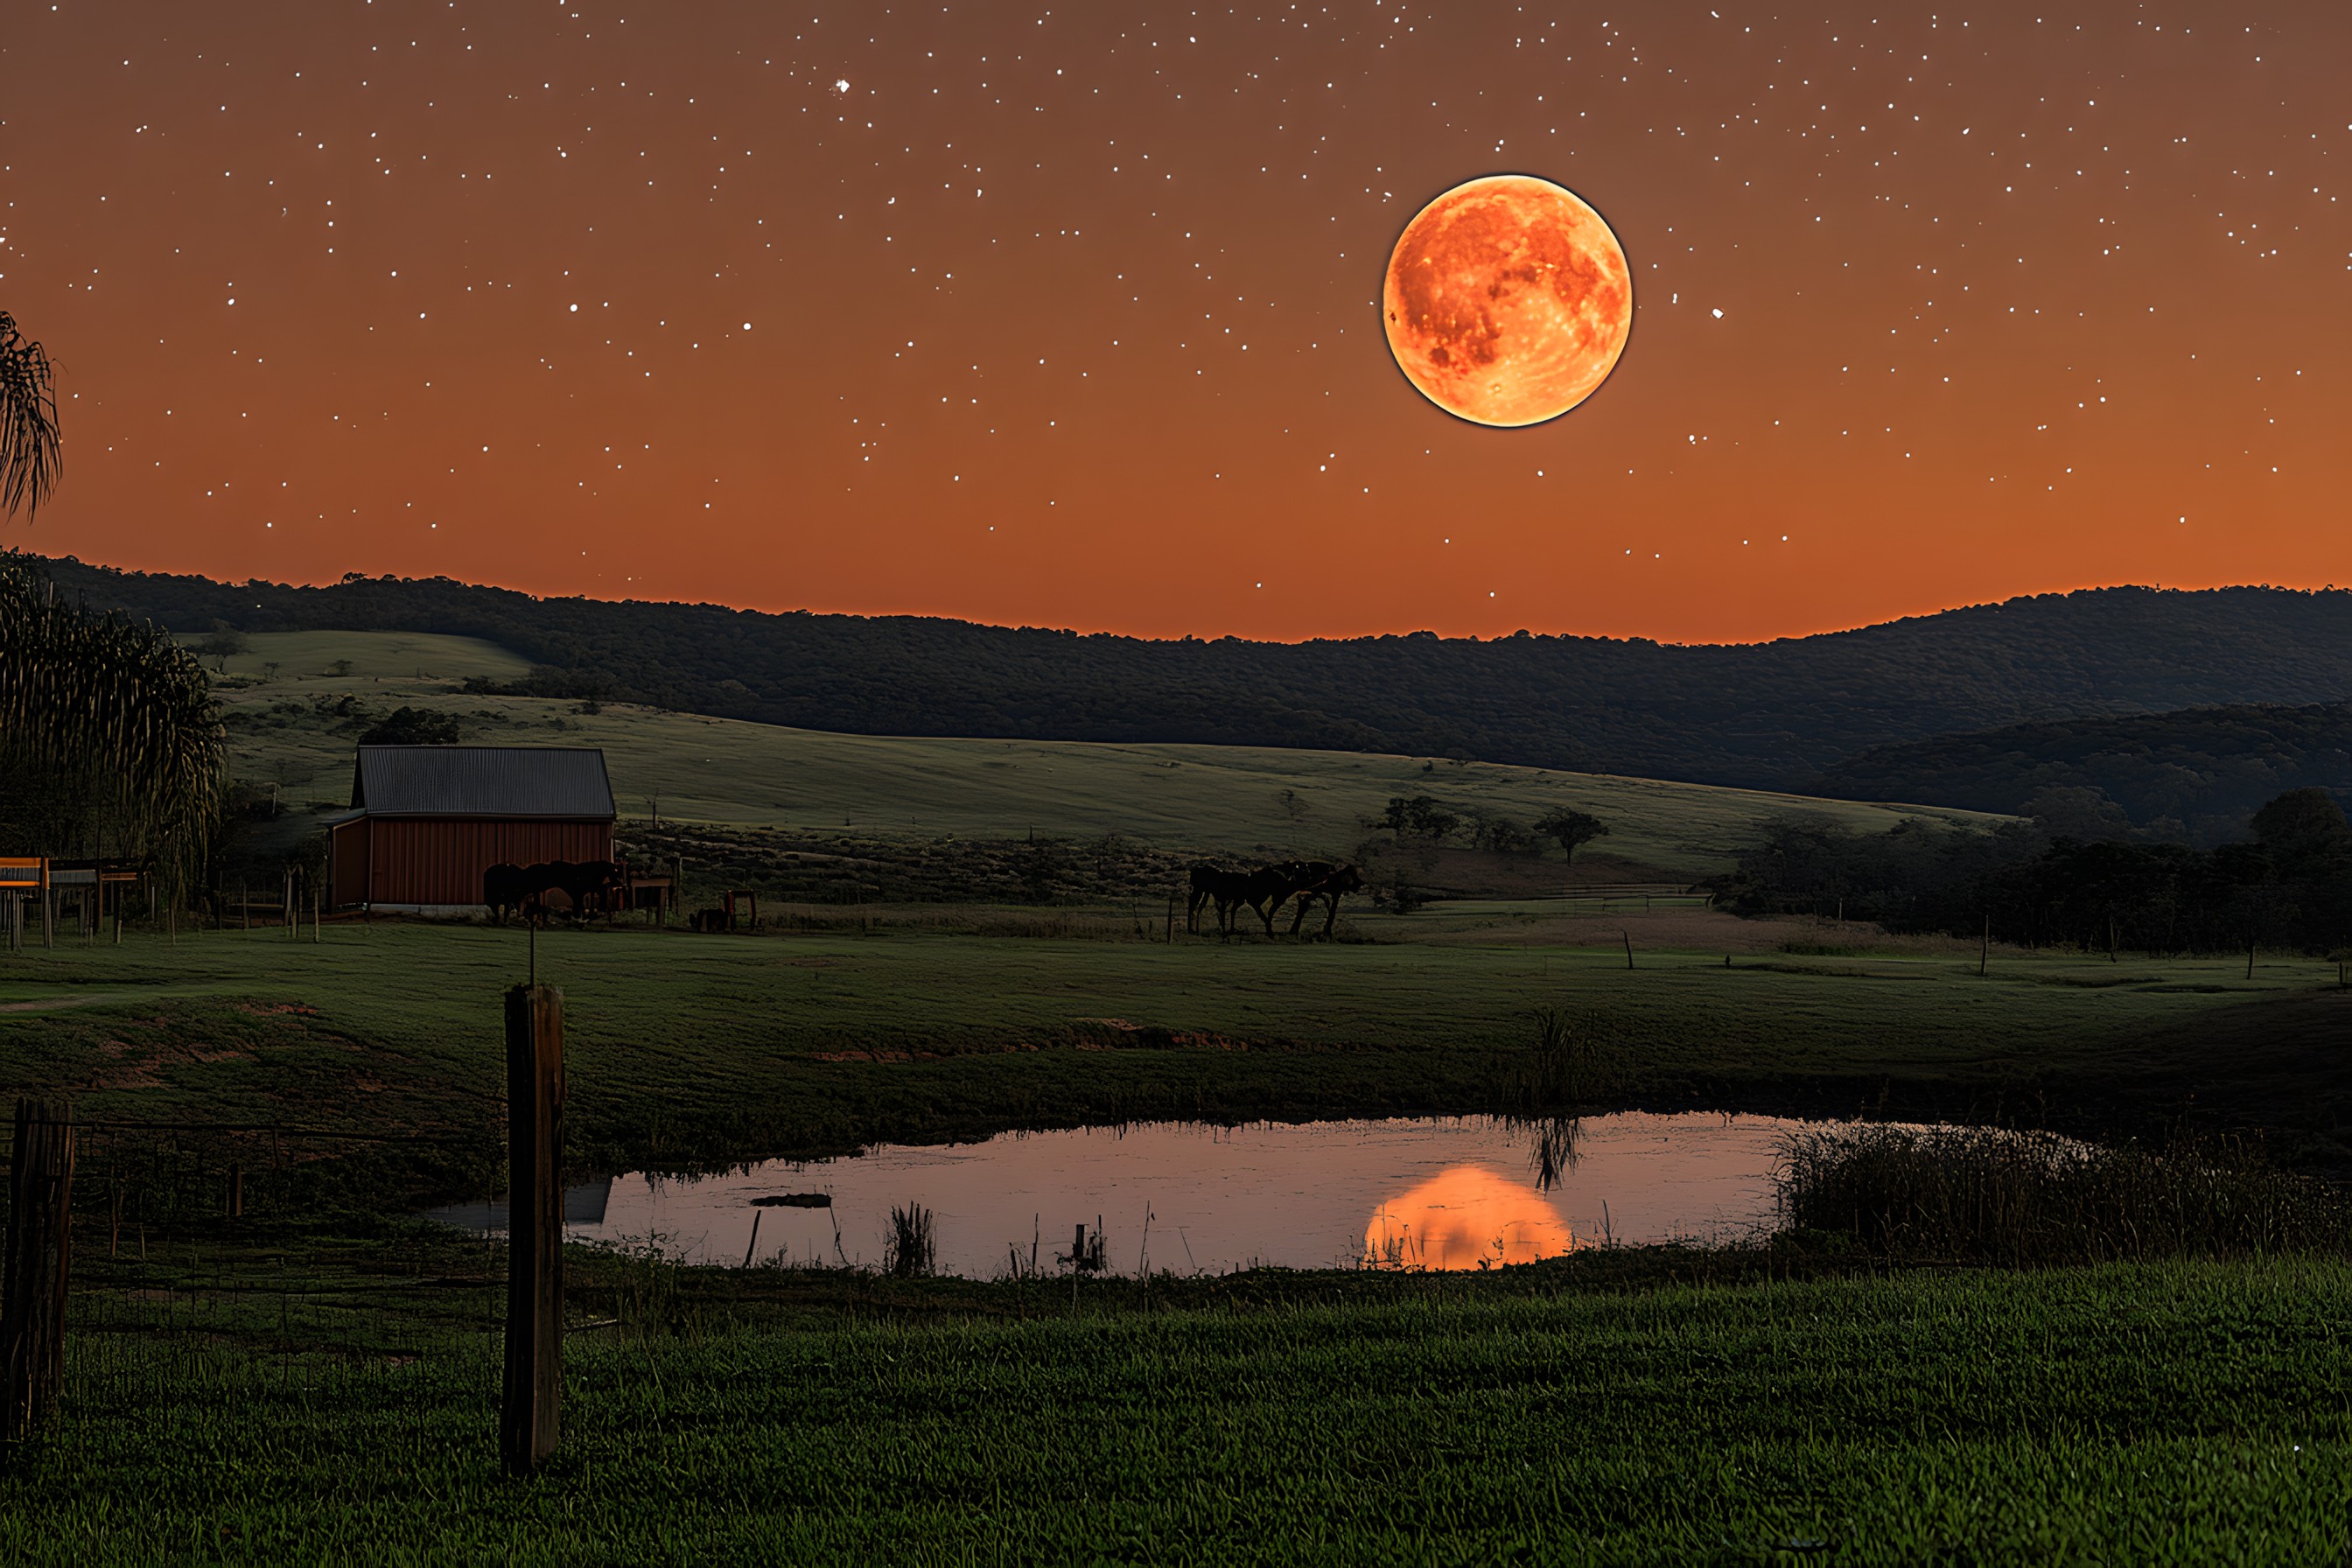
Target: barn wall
<point x="350" y="866"/>
<point x="440" y="860"/>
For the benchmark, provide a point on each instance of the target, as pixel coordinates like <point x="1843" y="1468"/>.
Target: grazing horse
<point x="1208" y="882"/>
<point x="504" y="888"/>
<point x="591" y="885"/>
<point x="1331" y="884"/>
<point x="1228" y="890"/>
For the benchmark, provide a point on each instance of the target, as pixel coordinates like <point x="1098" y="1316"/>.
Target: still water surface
<point x="1436" y="1192"/>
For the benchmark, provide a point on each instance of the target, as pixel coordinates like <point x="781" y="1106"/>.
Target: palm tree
<point x="30" y="454"/>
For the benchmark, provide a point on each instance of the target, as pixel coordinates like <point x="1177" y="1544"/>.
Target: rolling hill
<point x="296" y="703"/>
<point x="1772" y="715"/>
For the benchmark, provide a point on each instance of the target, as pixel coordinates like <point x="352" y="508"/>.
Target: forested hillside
<point x="2199" y="773"/>
<point x="1773" y="715"/>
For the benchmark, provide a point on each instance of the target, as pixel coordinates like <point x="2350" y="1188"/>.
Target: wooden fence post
<point x="33" y="1296"/>
<point x="529" y="1420"/>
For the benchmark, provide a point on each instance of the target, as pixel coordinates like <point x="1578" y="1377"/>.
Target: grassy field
<point x="318" y="1380"/>
<point x="2170" y="1413"/>
<point x="698" y="1050"/>
<point x="698" y="769"/>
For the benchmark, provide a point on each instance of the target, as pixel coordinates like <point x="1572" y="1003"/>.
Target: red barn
<point x="427" y="821"/>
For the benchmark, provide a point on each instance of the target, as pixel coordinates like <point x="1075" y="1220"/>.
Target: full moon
<point x="1507" y="300"/>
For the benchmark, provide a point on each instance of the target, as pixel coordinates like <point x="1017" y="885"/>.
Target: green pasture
<point x="1225" y="798"/>
<point x="2179" y="1413"/>
<point x="688" y="1050"/>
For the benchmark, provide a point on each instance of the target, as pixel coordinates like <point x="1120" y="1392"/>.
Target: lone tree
<point x="1571" y="828"/>
<point x="29" y="456"/>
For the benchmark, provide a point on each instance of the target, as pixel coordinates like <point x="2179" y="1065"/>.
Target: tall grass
<point x="911" y="1251"/>
<point x="1992" y="1195"/>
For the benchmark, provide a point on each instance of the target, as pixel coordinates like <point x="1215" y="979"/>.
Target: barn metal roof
<point x="482" y="780"/>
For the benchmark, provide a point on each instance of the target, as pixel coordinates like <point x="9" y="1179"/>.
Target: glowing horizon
<point x="1078" y="325"/>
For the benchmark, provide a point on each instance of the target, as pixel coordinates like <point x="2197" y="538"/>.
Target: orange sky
<point x="1071" y="317"/>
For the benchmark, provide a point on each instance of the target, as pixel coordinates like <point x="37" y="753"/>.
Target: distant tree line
<point x="2195" y="775"/>
<point x="2288" y="884"/>
<point x="1422" y="818"/>
<point x="1774" y="715"/>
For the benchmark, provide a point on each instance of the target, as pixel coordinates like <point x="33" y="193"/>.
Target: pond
<point x="1413" y="1193"/>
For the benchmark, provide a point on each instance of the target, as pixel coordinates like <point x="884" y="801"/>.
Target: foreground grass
<point x="2178" y="1413"/>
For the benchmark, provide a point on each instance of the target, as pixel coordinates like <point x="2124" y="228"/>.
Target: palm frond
<point x="30" y="452"/>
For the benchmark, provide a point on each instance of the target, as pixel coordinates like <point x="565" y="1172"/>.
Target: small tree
<point x="1503" y="835"/>
<point x="1419" y="817"/>
<point x="412" y="727"/>
<point x="1572" y="828"/>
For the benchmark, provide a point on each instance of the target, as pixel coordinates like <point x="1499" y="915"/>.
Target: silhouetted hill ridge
<point x="1776" y="714"/>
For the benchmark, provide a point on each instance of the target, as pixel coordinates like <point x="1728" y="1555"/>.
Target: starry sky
<point x="1070" y="316"/>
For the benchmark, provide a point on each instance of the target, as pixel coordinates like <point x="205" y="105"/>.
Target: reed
<point x="911" y="1252"/>
<point x="2036" y="1198"/>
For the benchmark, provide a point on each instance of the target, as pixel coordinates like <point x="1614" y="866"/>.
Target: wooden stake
<point x="754" y="1248"/>
<point x="1629" y="947"/>
<point x="33" y="1289"/>
<point x="236" y="1190"/>
<point x="1984" y="949"/>
<point x="529" y="1414"/>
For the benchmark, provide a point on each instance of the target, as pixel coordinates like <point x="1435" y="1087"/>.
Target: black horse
<point x="1261" y="890"/>
<point x="507" y="887"/>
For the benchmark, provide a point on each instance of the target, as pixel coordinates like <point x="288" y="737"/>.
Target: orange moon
<point x="1466" y="1216"/>
<point x="1507" y="300"/>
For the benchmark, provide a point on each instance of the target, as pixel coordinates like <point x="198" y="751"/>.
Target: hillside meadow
<point x="285" y="729"/>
